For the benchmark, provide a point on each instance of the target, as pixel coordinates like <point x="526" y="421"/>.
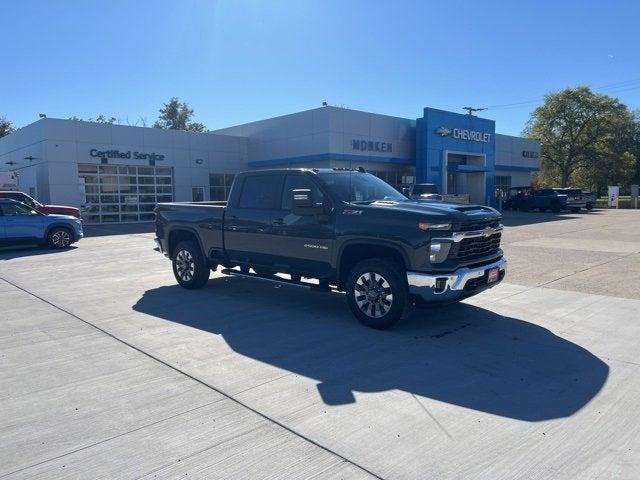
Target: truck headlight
<point x="433" y="226"/>
<point x="438" y="251"/>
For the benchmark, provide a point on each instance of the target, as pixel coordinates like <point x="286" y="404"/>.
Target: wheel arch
<point x="66" y="226"/>
<point x="179" y="234"/>
<point x="354" y="251"/>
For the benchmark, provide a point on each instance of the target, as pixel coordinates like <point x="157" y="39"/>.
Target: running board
<point x="274" y="279"/>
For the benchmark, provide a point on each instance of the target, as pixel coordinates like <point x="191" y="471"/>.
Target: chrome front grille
<point x="476" y="247"/>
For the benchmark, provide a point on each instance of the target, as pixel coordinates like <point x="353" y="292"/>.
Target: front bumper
<point x="79" y="233"/>
<point x="464" y="282"/>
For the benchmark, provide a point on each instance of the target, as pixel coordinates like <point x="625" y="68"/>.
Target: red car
<point x="39" y="207"/>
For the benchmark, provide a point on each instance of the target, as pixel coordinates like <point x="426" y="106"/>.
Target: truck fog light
<point x="438" y="252"/>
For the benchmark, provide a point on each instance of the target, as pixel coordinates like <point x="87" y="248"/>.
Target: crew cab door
<point x="248" y="239"/>
<point x="305" y="244"/>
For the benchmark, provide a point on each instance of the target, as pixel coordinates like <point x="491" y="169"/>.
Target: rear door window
<point x="260" y="192"/>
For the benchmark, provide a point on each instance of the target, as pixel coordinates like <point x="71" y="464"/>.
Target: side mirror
<point x="303" y="202"/>
<point x="406" y="191"/>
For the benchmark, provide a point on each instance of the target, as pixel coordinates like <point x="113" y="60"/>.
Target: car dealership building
<point x="118" y="173"/>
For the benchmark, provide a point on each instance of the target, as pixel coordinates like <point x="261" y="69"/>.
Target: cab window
<point x="13" y="209"/>
<point x="293" y="182"/>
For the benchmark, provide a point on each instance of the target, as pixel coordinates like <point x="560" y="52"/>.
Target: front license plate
<point x="493" y="275"/>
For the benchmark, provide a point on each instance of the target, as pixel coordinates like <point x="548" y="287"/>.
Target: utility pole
<point x="470" y="110"/>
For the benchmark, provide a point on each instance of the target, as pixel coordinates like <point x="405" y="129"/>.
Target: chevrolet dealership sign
<point x="463" y="134"/>
<point x="369" y="146"/>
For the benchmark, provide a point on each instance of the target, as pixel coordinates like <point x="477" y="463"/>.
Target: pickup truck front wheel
<point x="189" y="267"/>
<point x="377" y="293"/>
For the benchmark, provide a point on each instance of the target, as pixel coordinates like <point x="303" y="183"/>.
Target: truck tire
<point x="556" y="207"/>
<point x="589" y="206"/>
<point x="59" y="237"/>
<point x="189" y="267"/>
<point x="377" y="293"/>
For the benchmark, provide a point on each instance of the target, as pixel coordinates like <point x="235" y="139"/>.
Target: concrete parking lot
<point x="108" y="369"/>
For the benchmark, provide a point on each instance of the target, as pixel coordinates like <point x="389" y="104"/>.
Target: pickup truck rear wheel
<point x="189" y="267"/>
<point x="377" y="293"/>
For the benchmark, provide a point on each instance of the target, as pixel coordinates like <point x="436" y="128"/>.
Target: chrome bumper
<point x="446" y="286"/>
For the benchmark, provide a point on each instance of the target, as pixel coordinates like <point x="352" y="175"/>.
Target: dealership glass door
<point x="123" y="193"/>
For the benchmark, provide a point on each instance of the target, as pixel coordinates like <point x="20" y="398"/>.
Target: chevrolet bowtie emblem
<point x="443" y="131"/>
<point x="488" y="231"/>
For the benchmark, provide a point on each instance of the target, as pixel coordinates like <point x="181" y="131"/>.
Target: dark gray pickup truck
<point x="347" y="229"/>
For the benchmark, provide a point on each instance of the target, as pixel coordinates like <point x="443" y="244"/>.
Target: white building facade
<point x="118" y="173"/>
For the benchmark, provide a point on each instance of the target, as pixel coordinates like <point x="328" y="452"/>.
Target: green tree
<point x="634" y="147"/>
<point x="6" y="127"/>
<point x="576" y="126"/>
<point x="176" y="115"/>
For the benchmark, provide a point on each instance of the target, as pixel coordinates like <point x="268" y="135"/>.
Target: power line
<point x="618" y="87"/>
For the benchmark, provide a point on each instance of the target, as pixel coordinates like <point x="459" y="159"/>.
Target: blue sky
<point x="238" y="61"/>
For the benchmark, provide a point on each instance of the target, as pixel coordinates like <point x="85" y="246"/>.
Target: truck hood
<point x="448" y="211"/>
<point x="60" y="209"/>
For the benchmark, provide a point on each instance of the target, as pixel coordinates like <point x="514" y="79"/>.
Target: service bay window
<point x="123" y="193"/>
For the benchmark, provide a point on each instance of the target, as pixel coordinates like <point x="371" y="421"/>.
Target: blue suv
<point x="20" y="224"/>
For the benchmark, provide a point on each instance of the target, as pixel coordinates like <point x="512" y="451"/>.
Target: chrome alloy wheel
<point x="61" y="238"/>
<point x="185" y="266"/>
<point x="373" y="294"/>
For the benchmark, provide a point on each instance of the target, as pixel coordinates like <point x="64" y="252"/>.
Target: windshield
<point x="356" y="187"/>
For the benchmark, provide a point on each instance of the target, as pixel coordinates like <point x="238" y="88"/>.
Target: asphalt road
<point x="110" y="370"/>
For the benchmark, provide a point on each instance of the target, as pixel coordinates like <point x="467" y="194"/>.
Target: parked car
<point x="554" y="199"/>
<point x="346" y="228"/>
<point x="514" y="197"/>
<point x="21" y="224"/>
<point x="575" y="198"/>
<point x="39" y="207"/>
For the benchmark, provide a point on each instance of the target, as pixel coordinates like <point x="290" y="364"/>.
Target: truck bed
<point x="205" y="219"/>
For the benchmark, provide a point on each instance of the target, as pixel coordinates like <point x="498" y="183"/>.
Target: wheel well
<point x="354" y="253"/>
<point x="177" y="236"/>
